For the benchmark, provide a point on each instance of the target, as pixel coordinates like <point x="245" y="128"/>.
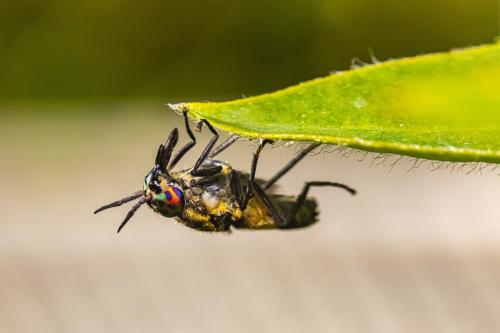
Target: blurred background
<point x="82" y="89"/>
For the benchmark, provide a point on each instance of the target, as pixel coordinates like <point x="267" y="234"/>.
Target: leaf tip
<point x="178" y="107"/>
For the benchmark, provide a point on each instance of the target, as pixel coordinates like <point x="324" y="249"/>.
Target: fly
<point x="212" y="196"/>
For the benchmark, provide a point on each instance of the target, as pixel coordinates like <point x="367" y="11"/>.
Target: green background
<point x="177" y="50"/>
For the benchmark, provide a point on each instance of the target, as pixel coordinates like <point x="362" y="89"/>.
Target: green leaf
<point x="443" y="106"/>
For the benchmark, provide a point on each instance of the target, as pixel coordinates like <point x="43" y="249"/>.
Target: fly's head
<point x="160" y="191"/>
<point x="164" y="195"/>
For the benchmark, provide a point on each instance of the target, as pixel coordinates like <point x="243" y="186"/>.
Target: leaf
<point x="443" y="106"/>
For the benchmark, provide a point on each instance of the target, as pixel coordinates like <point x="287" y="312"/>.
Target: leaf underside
<point x="443" y="106"/>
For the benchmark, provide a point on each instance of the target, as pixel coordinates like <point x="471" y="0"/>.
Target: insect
<point x="212" y="196"/>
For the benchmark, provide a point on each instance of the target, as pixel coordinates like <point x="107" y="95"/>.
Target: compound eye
<point x="172" y="201"/>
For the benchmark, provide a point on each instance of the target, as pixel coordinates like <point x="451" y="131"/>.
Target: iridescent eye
<point x="171" y="202"/>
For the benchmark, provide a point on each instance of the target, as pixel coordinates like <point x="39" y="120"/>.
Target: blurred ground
<point x="414" y="251"/>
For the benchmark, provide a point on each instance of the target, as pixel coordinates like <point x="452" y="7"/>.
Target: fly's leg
<point x="223" y="146"/>
<point x="280" y="222"/>
<point x="301" y="199"/>
<point x="165" y="151"/>
<point x="288" y="221"/>
<point x="222" y="223"/>
<point x="251" y="181"/>
<point x="207" y="149"/>
<point x="187" y="146"/>
<point x="237" y="188"/>
<point x="208" y="171"/>
<point x="290" y="165"/>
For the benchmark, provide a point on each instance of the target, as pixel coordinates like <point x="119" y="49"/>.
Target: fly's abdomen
<point x="305" y="216"/>
<point x="257" y="215"/>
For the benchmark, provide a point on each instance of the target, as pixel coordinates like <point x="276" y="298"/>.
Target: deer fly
<point x="212" y="196"/>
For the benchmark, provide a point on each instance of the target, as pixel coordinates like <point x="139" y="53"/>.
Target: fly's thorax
<point x="211" y="199"/>
<point x="210" y="195"/>
<point x="214" y="198"/>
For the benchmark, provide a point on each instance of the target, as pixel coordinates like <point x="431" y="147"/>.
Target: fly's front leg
<point x="207" y="171"/>
<point x="206" y="176"/>
<point x="187" y="146"/>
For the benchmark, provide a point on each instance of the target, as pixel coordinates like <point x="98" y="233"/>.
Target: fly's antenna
<point x="120" y="202"/>
<point x="165" y="151"/>
<point x="132" y="212"/>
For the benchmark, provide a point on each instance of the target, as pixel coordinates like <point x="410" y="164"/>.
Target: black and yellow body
<point x="213" y="197"/>
<point x="213" y="204"/>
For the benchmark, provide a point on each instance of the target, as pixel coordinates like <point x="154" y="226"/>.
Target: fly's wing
<point x="306" y="215"/>
<point x="257" y="215"/>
